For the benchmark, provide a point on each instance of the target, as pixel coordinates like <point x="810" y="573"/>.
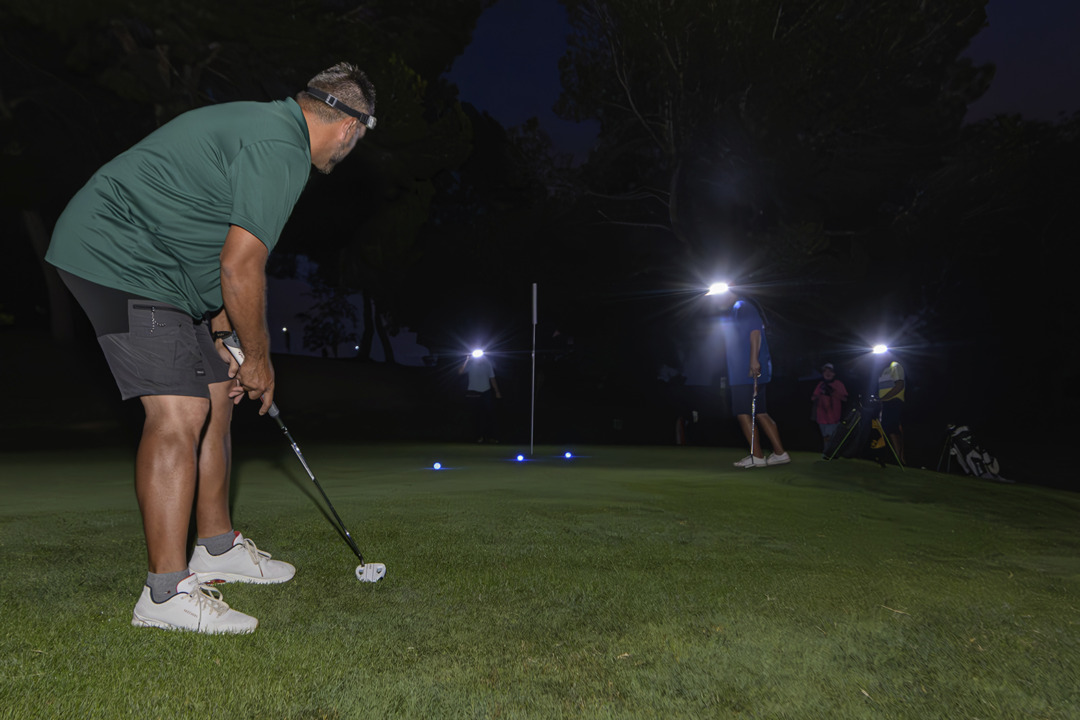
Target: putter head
<point x="370" y="572"/>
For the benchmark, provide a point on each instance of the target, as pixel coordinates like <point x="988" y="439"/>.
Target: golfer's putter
<point x="753" y="422"/>
<point x="369" y="572"/>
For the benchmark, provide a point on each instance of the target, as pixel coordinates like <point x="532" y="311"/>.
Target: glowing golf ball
<point x="520" y="458"/>
<point x="437" y="466"/>
<point x="568" y="456"/>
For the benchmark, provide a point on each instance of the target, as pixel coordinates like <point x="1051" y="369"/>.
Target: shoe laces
<point x="209" y="599"/>
<point x="257" y="556"/>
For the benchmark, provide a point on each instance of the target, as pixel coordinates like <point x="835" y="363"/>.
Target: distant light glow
<point x="568" y="455"/>
<point x="437" y="466"/>
<point x="520" y="458"/>
<point x="478" y="353"/>
<point x="718" y="288"/>
<point x="880" y="349"/>
<point x="284" y="329"/>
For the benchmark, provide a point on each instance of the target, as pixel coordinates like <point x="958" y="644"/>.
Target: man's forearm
<point x="244" y="293"/>
<point x="896" y="389"/>
<point x="755" y="347"/>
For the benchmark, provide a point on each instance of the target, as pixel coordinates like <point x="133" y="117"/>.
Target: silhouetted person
<point x="891" y="391"/>
<point x="481" y="393"/>
<point x="748" y="359"/>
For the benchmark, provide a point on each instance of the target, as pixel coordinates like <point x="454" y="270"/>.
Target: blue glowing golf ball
<point x="568" y="456"/>
<point x="520" y="458"/>
<point x="437" y="466"/>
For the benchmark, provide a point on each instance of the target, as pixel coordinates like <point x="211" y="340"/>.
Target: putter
<point x="365" y="572"/>
<point x="753" y="421"/>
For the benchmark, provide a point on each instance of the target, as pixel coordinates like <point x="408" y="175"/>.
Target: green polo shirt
<point x="153" y="220"/>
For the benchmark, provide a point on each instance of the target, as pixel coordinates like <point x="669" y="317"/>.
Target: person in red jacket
<point x="828" y="398"/>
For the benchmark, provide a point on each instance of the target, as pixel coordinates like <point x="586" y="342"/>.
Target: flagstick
<point x="532" y="418"/>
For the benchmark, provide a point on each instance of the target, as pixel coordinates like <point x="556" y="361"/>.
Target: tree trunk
<point x="369" y="328"/>
<point x="384" y="338"/>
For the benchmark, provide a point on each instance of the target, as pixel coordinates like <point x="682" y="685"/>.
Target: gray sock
<point x="219" y="544"/>
<point x="163" y="585"/>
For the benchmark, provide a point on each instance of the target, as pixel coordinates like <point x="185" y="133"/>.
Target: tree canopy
<point x="80" y="82"/>
<point x="724" y="121"/>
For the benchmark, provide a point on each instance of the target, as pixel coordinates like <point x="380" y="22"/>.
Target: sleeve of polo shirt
<point x="267" y="179"/>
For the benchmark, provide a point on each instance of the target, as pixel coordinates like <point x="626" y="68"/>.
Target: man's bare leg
<point x="215" y="466"/>
<point x="744" y="423"/>
<point x="772" y="432"/>
<point x="165" y="468"/>
<point x="216" y="558"/>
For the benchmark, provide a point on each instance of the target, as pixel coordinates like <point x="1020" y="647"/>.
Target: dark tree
<point x="79" y="82"/>
<point x="726" y="123"/>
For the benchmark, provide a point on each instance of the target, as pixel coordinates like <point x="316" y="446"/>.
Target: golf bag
<point x="859" y="433"/>
<point x="973" y="459"/>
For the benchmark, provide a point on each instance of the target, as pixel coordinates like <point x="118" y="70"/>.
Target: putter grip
<point x="232" y="344"/>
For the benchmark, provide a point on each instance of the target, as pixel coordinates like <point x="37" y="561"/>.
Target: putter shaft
<point x="276" y="414"/>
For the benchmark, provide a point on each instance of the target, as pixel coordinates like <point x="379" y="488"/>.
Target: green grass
<point x="633" y="583"/>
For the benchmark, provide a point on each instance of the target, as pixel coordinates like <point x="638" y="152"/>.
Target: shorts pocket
<point x="164" y="339"/>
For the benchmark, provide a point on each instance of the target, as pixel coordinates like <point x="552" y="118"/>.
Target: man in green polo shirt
<point x="165" y="249"/>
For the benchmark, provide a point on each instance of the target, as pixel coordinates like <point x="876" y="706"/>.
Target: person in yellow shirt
<point x="891" y="393"/>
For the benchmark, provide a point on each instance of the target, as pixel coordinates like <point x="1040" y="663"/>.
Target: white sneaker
<point x="750" y="462"/>
<point x="194" y="607"/>
<point x="781" y="459"/>
<point x="243" y="563"/>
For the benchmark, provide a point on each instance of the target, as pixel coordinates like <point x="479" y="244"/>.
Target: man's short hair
<point x="348" y="84"/>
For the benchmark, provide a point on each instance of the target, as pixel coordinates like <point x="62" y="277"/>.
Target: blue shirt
<point x="737" y="326"/>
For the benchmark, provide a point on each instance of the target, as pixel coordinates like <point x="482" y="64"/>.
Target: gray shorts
<point x="152" y="348"/>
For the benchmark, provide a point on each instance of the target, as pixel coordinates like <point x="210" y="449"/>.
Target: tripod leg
<point x="846" y="436"/>
<point x="885" y="437"/>
<point x="944" y="452"/>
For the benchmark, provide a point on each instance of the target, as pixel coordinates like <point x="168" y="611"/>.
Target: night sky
<point x="511" y="68"/>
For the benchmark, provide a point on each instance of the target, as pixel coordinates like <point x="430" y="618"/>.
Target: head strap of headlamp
<point x="333" y="102"/>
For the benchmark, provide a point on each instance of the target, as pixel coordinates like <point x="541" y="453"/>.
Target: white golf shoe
<point x="195" y="607"/>
<point x="750" y="462"/>
<point x="243" y="563"/>
<point x="781" y="459"/>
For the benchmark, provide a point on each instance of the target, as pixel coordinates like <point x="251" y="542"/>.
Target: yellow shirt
<point x="892" y="373"/>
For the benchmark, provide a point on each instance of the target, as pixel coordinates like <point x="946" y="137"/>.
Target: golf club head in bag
<point x="365" y="572"/>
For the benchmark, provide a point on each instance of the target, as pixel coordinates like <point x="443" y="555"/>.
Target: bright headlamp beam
<point x="718" y="288"/>
<point x="478" y="353"/>
<point x="880" y="349"/>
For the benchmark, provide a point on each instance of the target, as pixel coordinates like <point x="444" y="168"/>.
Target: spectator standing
<point x="891" y="392"/>
<point x="481" y="393"/>
<point x="828" y="398"/>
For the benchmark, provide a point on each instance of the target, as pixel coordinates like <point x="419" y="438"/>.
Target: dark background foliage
<point x="813" y="152"/>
